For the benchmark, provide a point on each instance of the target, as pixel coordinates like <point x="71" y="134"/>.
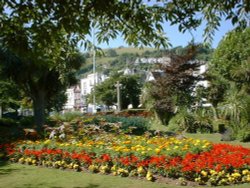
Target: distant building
<point x="77" y="95"/>
<point x="152" y="60"/>
<point x="74" y="100"/>
<point x="87" y="84"/>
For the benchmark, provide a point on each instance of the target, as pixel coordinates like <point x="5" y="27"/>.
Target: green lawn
<point x="216" y="139"/>
<point x="23" y="176"/>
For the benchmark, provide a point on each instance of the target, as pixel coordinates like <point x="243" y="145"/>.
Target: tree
<point x="139" y="23"/>
<point x="230" y="64"/>
<point x="130" y="90"/>
<point x="10" y="96"/>
<point x="203" y="52"/>
<point x="39" y="81"/>
<point x="173" y="86"/>
<point x="111" y="53"/>
<point x="229" y="73"/>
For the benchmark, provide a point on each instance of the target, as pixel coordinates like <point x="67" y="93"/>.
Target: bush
<point x="183" y="120"/>
<point x="140" y="124"/>
<point x="174" y="126"/>
<point x="228" y="134"/>
<point x="6" y="122"/>
<point x="27" y="121"/>
<point x="244" y="135"/>
<point x="67" y="117"/>
<point x="135" y="112"/>
<point x="9" y="130"/>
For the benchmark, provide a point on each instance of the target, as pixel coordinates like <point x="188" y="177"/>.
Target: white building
<point x="77" y="95"/>
<point x="152" y="60"/>
<point x="201" y="71"/>
<point x="74" y="101"/>
<point x="88" y="83"/>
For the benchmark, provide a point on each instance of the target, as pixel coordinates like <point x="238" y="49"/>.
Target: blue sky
<point x="180" y="39"/>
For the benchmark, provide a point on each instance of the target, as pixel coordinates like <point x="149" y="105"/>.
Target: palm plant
<point x="236" y="108"/>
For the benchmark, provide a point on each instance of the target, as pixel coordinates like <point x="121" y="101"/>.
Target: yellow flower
<point x="197" y="179"/>
<point x="114" y="168"/>
<point x="47" y="142"/>
<point x="149" y="176"/>
<point x="248" y="178"/>
<point x="127" y="142"/>
<point x="157" y="150"/>
<point x="245" y="172"/>
<point x="176" y="147"/>
<point x="236" y="175"/>
<point x="212" y="172"/>
<point x="230" y="179"/>
<point x="203" y="173"/>
<point x="75" y="166"/>
<point x="141" y="170"/>
<point x="125" y="150"/>
<point x="70" y="165"/>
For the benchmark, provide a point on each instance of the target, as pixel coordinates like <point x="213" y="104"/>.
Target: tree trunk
<point x="39" y="104"/>
<point x="0" y="111"/>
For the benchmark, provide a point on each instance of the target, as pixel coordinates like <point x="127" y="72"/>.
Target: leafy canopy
<point x="139" y="22"/>
<point x="229" y="73"/>
<point x="106" y="92"/>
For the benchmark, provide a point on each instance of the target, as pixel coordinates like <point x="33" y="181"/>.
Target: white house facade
<point x="77" y="95"/>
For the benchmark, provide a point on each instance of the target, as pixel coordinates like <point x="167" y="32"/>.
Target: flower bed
<point x="141" y="156"/>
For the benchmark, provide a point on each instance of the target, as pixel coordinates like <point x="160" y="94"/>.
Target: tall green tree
<point x="130" y="90"/>
<point x="229" y="73"/>
<point x="138" y="22"/>
<point x="38" y="80"/>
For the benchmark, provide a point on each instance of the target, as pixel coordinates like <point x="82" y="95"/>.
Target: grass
<point x="215" y="137"/>
<point x="23" y="176"/>
<point x="139" y="51"/>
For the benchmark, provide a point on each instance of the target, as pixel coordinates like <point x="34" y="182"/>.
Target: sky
<point x="180" y="39"/>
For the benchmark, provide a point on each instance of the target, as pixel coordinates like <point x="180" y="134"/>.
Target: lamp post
<point x="94" y="71"/>
<point x="118" y="87"/>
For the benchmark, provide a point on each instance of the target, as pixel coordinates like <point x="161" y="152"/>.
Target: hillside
<point x="109" y="60"/>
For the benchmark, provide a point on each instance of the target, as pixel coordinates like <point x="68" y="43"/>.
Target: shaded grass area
<point x="23" y="176"/>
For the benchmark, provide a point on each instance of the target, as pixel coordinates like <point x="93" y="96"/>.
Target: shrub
<point x="135" y="112"/>
<point x="6" y="122"/>
<point x="140" y="124"/>
<point x="244" y="135"/>
<point x="9" y="130"/>
<point x="174" y="126"/>
<point x="183" y="120"/>
<point x="27" y="121"/>
<point x="67" y="117"/>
